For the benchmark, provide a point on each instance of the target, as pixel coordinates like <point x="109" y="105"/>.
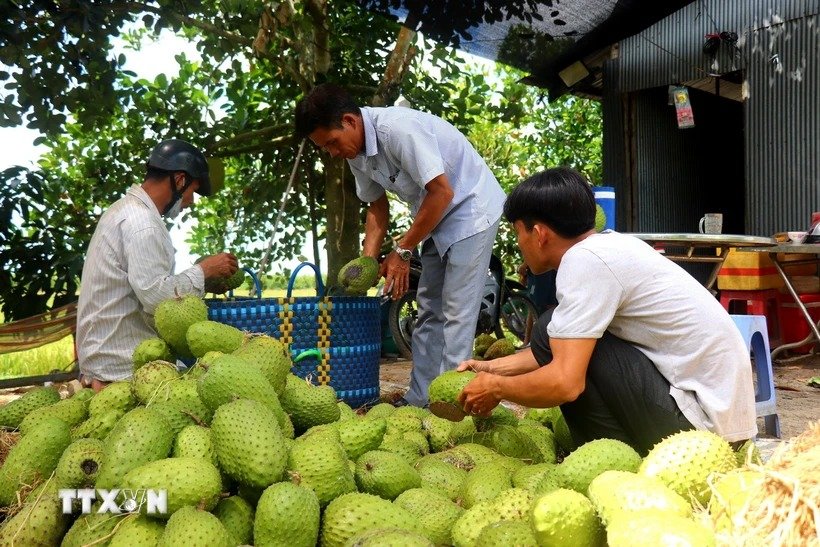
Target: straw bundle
<point x="784" y="507"/>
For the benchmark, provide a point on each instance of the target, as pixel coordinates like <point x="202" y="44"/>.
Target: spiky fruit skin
<point x="352" y="514"/>
<point x="593" y="458"/>
<point x="565" y="517"/>
<point x="237" y="516"/>
<point x="151" y="349"/>
<point x="484" y="483"/>
<point x="79" y="464"/>
<point x="172" y="319"/>
<point x="380" y="537"/>
<point x="271" y="356"/>
<point x="33" y="458"/>
<point x="150" y="382"/>
<point x="249" y="443"/>
<point x="507" y="532"/>
<point x="385" y="474"/>
<point x="358" y="275"/>
<point x="138" y="531"/>
<point x="140" y="437"/>
<point x="318" y="461"/>
<point x="614" y="492"/>
<point x="71" y="411"/>
<point x="12" y="413"/>
<point x="195" y="441"/>
<point x="441" y="477"/>
<point x="528" y="476"/>
<point x="360" y="436"/>
<point x="98" y="426"/>
<point x="40" y="522"/>
<point x="310" y="405"/>
<point x="191" y="526"/>
<point x="482" y="343"/>
<point x="205" y="336"/>
<point x="544" y="440"/>
<point x="600" y="218"/>
<point x="287" y="514"/>
<point x="657" y="528"/>
<point x="498" y="349"/>
<point x="187" y="481"/>
<point x="448" y="385"/>
<point x="685" y="460"/>
<point x="90" y="529"/>
<point x="115" y="396"/>
<point x="435" y="512"/>
<point x="381" y="410"/>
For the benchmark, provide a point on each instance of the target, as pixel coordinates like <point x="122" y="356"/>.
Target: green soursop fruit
<point x="467" y="528"/>
<point x="12" y="413"/>
<point x="84" y="394"/>
<point x="419" y="439"/>
<point x="498" y="349"/>
<point x="237" y="516"/>
<point x="358" y="275"/>
<point x="435" y="512"/>
<point x="395" y="537"/>
<point x="79" y="464"/>
<point x="508" y="441"/>
<point x="235" y="280"/>
<point x="151" y="381"/>
<point x="248" y="443"/>
<point x="476" y="453"/>
<point x="318" y="461"/>
<point x="484" y="483"/>
<point x="614" y="492"/>
<point x="187" y="481"/>
<point x="447" y="386"/>
<point x="651" y="528"/>
<point x="114" y="396"/>
<point x="97" y="426"/>
<point x="355" y="513"/>
<point x="407" y="449"/>
<point x="39" y="522"/>
<point x="34" y="458"/>
<point x="137" y="531"/>
<point x="230" y="377"/>
<point x="151" y="349"/>
<point x="271" y="356"/>
<point x="403" y="423"/>
<point x="482" y="343"/>
<point x="174" y="413"/>
<point x="191" y="526"/>
<point x="385" y="474"/>
<point x="529" y="476"/>
<point x="346" y="412"/>
<point x="507" y="532"/>
<point x="287" y="514"/>
<point x="185" y="394"/>
<point x="381" y="410"/>
<point x="141" y="436"/>
<point x="593" y="458"/>
<point x="600" y="218"/>
<point x="205" y="336"/>
<point x="91" y="529"/>
<point x="441" y="477"/>
<point x="360" y="436"/>
<point x="71" y="411"/>
<point x="195" y="441"/>
<point x="543" y="439"/>
<point x="310" y="405"/>
<point x="565" y="518"/>
<point x="172" y="319"/>
<point x="684" y="461"/>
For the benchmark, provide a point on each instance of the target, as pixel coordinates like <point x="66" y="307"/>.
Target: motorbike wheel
<point x="515" y="309"/>
<point x="401" y="319"/>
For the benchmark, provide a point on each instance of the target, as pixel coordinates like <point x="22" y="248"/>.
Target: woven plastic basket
<point x="345" y="331"/>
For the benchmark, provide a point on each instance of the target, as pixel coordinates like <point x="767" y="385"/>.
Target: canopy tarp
<point x="38" y="330"/>
<point x="541" y="37"/>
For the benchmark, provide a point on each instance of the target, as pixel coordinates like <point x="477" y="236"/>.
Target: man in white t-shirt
<point x="636" y="349"/>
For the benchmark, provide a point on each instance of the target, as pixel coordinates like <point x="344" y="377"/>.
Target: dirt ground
<point x="797" y="403"/>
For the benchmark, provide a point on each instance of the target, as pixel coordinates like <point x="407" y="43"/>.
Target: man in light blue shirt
<point x="455" y="202"/>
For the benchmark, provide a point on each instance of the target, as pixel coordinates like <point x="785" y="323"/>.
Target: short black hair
<point x="323" y="107"/>
<point x="560" y="197"/>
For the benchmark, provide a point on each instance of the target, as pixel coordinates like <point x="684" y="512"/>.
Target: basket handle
<point x="320" y="287"/>
<point x="256" y="284"/>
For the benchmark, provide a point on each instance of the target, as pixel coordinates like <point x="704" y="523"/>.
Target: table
<point x="782" y="250"/>
<point x="718" y="246"/>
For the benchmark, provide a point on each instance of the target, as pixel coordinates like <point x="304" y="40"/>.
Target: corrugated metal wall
<point x="781" y="118"/>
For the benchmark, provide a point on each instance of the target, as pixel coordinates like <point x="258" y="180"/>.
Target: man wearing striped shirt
<point x="129" y="267"/>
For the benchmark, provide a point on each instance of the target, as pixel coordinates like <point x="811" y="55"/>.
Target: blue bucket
<point x="605" y="197"/>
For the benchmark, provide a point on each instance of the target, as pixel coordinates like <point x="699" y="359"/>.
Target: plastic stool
<point x="764" y="302"/>
<point x="753" y="330"/>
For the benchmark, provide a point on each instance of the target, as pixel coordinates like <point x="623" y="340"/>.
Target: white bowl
<point x="797" y="237"/>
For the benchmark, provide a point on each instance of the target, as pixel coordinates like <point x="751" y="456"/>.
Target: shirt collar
<point x="138" y="192"/>
<point x="371" y="147"/>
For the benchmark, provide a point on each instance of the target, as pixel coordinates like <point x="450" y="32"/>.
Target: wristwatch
<point x="404" y="254"/>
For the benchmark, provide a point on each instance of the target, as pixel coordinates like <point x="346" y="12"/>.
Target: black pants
<point x="625" y="397"/>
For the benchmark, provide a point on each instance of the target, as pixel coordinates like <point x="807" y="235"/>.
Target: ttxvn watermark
<point x="115" y="501"/>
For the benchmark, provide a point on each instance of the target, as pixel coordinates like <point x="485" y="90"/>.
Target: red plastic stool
<point x="760" y="302"/>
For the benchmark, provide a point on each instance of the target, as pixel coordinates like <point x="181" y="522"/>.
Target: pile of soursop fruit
<point x="250" y="454"/>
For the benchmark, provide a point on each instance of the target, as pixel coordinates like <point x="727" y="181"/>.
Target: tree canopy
<point x="99" y="121"/>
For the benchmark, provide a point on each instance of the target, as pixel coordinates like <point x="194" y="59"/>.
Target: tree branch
<point x="248" y="136"/>
<point x="258" y="147"/>
<point x="397" y="63"/>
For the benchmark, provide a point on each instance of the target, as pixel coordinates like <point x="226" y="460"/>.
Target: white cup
<point x="711" y="223"/>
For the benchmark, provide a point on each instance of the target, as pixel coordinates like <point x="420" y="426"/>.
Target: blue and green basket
<point x="344" y="333"/>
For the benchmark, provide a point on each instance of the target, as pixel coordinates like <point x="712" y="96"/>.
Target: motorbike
<point x="505" y="307"/>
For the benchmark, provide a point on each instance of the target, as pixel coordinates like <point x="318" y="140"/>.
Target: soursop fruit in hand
<point x="358" y="275"/>
<point x="219" y="285"/>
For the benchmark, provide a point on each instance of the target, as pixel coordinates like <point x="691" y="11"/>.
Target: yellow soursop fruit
<point x="355" y="513"/>
<point x="237" y="516"/>
<point x="271" y="356"/>
<point x="732" y="495"/>
<point x="114" y="396"/>
<point x="385" y="474"/>
<point x="172" y="319"/>
<point x="192" y="526"/>
<point x="205" y="336"/>
<point x="358" y="275"/>
<point x="151" y="382"/>
<point x="33" y="458"/>
<point x="249" y="443"/>
<point x="79" y="464"/>
<point x="40" y="521"/>
<point x="12" y="413"/>
<point x="137" y="531"/>
<point x="187" y="481"/>
<point x="593" y="458"/>
<point x="684" y="461"/>
<point x="614" y="492"/>
<point x="318" y="461"/>
<point x="447" y="386"/>
<point x="507" y="532"/>
<point x="151" y="349"/>
<point x="287" y="514"/>
<point x="565" y="518"/>
<point x="435" y="512"/>
<point x="652" y="528"/>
